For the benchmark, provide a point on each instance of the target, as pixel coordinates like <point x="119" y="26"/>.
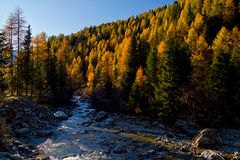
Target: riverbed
<point x="87" y="134"/>
<point x="114" y="137"/>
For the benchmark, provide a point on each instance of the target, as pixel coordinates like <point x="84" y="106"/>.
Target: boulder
<point x="211" y="155"/>
<point x="101" y="116"/>
<point x="60" y="115"/>
<point x="207" y="138"/>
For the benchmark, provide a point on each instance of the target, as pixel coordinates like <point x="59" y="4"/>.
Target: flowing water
<point x="113" y="138"/>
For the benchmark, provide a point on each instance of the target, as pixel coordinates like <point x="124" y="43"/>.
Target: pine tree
<point x="165" y="90"/>
<point x="3" y="61"/>
<point x="219" y="76"/>
<point x="26" y="59"/>
<point x="151" y="66"/>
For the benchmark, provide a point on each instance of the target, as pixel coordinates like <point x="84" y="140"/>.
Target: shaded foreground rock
<point x="60" y="115"/>
<point x="23" y="119"/>
<point x="207" y="138"/>
<point x="211" y="155"/>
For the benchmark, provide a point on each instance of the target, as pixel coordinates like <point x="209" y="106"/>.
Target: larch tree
<point x="206" y="10"/>
<point x="137" y="97"/>
<point x="19" y="32"/>
<point x="107" y="70"/>
<point x="9" y="29"/>
<point x="90" y="78"/>
<point x="75" y="72"/>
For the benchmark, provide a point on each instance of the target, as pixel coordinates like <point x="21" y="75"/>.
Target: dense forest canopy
<point x="178" y="60"/>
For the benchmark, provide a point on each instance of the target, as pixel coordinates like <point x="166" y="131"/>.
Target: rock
<point x="72" y="158"/>
<point x="22" y="131"/>
<point x="109" y="121"/>
<point x="60" y="115"/>
<point x="101" y="116"/>
<point x="236" y="156"/>
<point x="188" y="127"/>
<point x="207" y="138"/>
<point x="119" y="150"/>
<point x="211" y="155"/>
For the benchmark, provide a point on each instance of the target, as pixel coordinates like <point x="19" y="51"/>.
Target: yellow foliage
<point x="221" y="42"/>
<point x="138" y="109"/>
<point x="90" y="77"/>
<point x="198" y="23"/>
<point x="200" y="54"/>
<point x="162" y="47"/>
<point x="107" y="67"/>
<point x="126" y="45"/>
<point x="141" y="79"/>
<point x="40" y="47"/>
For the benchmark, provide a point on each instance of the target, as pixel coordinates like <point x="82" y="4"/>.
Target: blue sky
<point x="69" y="16"/>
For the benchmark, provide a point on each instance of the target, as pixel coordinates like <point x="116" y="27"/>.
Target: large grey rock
<point x="211" y="155"/>
<point x="60" y="115"/>
<point x="207" y="138"/>
<point x="101" y="116"/>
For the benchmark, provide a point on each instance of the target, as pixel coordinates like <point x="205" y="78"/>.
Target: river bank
<point x="88" y="134"/>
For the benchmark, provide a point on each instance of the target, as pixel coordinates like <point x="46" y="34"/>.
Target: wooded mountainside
<point x="178" y="60"/>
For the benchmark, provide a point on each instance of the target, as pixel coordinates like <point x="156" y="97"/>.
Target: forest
<point x="181" y="60"/>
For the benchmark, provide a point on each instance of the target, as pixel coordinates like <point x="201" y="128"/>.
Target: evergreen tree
<point x="151" y="66"/>
<point x="166" y="87"/>
<point x="26" y="59"/>
<point x="3" y="61"/>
